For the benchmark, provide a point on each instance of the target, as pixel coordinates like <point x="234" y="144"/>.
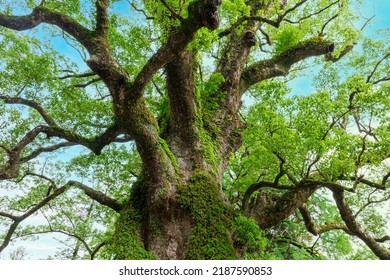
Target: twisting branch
<point x="271" y="208"/>
<point x="314" y="229"/>
<point x="355" y="228"/>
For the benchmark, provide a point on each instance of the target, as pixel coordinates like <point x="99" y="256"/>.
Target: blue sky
<point x="303" y="85"/>
<point x="380" y="9"/>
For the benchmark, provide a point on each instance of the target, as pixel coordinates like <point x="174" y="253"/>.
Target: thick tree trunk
<point x="183" y="220"/>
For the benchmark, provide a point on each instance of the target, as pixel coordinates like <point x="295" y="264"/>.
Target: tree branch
<point x="44" y="15"/>
<point x="281" y="64"/>
<point x="314" y="229"/>
<point x="376" y="67"/>
<point x="355" y="228"/>
<point x="313" y="14"/>
<point x="269" y="209"/>
<point x="30" y="103"/>
<point x="102" y="17"/>
<point x="98" y="196"/>
<point x="202" y="13"/>
<point x="49" y="149"/>
<point x="18" y="219"/>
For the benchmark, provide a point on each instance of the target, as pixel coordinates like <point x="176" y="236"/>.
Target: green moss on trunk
<point x="126" y="243"/>
<point x="210" y="237"/>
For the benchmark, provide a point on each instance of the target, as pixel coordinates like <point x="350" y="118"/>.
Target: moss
<point x="210" y="237"/>
<point x="206" y="134"/>
<point x="126" y="243"/>
<point x="248" y="237"/>
<point x="168" y="152"/>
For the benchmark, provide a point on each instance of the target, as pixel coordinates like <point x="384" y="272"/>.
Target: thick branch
<point x="98" y="196"/>
<point x="281" y="64"/>
<point x="355" y="228"/>
<point x="182" y="105"/>
<point x="43" y="15"/>
<point x="255" y="187"/>
<point x="270" y="208"/>
<point x="202" y="13"/>
<point x="102" y="17"/>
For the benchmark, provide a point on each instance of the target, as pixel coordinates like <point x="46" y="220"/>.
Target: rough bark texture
<point x="176" y="210"/>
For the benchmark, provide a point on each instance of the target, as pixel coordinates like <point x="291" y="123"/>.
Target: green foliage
<point x="287" y="38"/>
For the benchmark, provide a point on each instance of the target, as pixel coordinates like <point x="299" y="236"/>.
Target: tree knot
<point x="209" y="15"/>
<point x="250" y="38"/>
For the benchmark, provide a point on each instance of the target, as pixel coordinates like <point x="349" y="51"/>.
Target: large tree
<point x="142" y="148"/>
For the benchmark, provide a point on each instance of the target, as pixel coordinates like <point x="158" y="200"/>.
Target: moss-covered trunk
<point x="187" y="220"/>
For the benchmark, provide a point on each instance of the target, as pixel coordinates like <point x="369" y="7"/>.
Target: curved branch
<point x="269" y="209"/>
<point x="98" y="196"/>
<point x="383" y="239"/>
<point x="376" y="67"/>
<point x="40" y="15"/>
<point x="49" y="149"/>
<point x="95" y="144"/>
<point x="314" y="229"/>
<point x="355" y="228"/>
<point x="30" y="103"/>
<point x="255" y="187"/>
<point x="281" y="64"/>
<point x="97" y="248"/>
